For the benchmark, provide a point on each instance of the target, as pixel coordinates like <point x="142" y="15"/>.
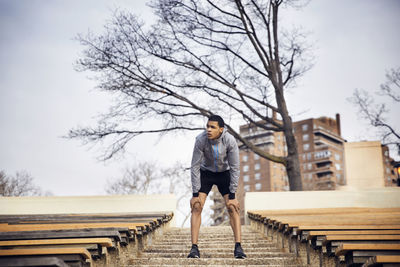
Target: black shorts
<point x="221" y="179"/>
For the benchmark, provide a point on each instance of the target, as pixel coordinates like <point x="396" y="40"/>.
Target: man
<point x="215" y="161"/>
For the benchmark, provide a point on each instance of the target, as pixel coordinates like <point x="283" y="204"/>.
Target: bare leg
<point x="234" y="217"/>
<point x="195" y="221"/>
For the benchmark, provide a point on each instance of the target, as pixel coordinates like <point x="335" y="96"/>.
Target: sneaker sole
<point x="240" y="257"/>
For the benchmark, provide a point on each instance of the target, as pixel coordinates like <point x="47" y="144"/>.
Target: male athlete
<point x="215" y="161"/>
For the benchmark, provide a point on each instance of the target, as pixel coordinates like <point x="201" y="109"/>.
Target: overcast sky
<point x="42" y="96"/>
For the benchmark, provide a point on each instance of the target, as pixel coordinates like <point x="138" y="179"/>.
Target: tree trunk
<point x="293" y="164"/>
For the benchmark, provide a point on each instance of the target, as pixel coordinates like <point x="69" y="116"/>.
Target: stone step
<point x="266" y="247"/>
<point x="213" y="237"/>
<point x="219" y="242"/>
<point x="214" y="254"/>
<point x="211" y="251"/>
<point x="211" y="229"/>
<point x="283" y="261"/>
<point x="219" y="265"/>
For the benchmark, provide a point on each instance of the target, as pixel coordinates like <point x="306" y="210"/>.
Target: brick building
<point x="321" y="155"/>
<point x="320" y="148"/>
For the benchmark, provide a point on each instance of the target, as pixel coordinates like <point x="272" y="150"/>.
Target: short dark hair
<point x="218" y="119"/>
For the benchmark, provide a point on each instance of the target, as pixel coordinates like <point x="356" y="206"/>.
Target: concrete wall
<point x="88" y="204"/>
<point x="363" y="165"/>
<point x="388" y="197"/>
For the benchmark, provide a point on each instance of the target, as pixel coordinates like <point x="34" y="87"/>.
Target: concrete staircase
<point x="216" y="246"/>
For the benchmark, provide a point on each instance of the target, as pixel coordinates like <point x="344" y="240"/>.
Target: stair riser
<point x="213" y="254"/>
<point x="215" y="250"/>
<point x="220" y="261"/>
<point x="185" y="247"/>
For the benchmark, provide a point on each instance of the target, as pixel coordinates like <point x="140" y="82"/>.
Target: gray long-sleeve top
<point x="217" y="156"/>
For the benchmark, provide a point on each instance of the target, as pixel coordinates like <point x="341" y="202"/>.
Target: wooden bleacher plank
<point x="93" y="245"/>
<point x="312" y="234"/>
<point x="329" y="238"/>
<point x="90" y="233"/>
<point x="73" y="217"/>
<point x="45" y="251"/>
<point x="38" y="227"/>
<point x="268" y="214"/>
<point x="105" y="242"/>
<point x="326" y="214"/>
<point x="344" y="248"/>
<point x="332" y="242"/>
<point x="382" y="259"/>
<point x="350" y="227"/>
<point x="359" y="253"/>
<point x="349" y="219"/>
<point x="32" y="261"/>
<point x="63" y="253"/>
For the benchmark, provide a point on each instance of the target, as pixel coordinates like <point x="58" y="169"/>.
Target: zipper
<point x="215" y="154"/>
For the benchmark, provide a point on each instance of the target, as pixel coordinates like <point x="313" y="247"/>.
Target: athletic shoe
<point x="194" y="252"/>
<point x="239" y="254"/>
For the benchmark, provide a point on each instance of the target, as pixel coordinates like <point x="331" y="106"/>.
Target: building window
<point x="309" y="166"/>
<point x="306" y="146"/>
<point x="304" y="157"/>
<point x="245" y="168"/>
<point x="247" y="188"/>
<point x="245" y="158"/>
<point x="256" y="157"/>
<point x="304" y="127"/>
<point x="258" y="186"/>
<point x="322" y="154"/>
<point x="338" y="166"/>
<point x="246" y="178"/>
<point x="308" y="176"/>
<point x="257" y="176"/>
<point x="306" y="137"/>
<point x="337" y="156"/>
<point x="308" y="156"/>
<point x="257" y="166"/>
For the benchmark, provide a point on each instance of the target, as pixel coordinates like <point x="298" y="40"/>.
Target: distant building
<point x="321" y="155"/>
<point x="320" y="148"/>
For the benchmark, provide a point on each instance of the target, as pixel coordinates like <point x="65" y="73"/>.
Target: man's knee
<point x="232" y="209"/>
<point x="197" y="208"/>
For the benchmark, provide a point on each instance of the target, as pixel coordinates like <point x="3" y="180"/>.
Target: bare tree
<point x="377" y="114"/>
<point x="135" y="180"/>
<point x="149" y="178"/>
<point x="19" y="185"/>
<point x="200" y="58"/>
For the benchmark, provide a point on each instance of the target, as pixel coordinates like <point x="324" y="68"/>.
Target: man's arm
<point x="197" y="158"/>
<point x="234" y="164"/>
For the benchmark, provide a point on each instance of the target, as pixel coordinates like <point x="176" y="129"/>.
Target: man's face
<point x="213" y="130"/>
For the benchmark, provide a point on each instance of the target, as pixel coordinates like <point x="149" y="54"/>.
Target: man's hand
<point x="235" y="203"/>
